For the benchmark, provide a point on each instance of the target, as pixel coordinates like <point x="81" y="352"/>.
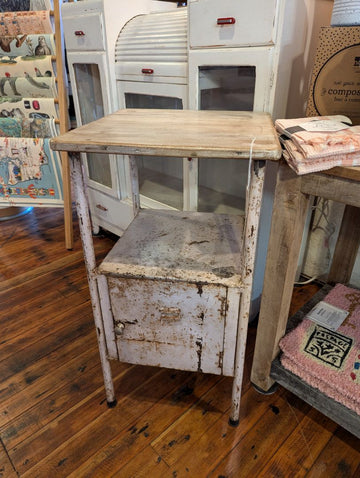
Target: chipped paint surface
<point x="169" y="324"/>
<point x="254" y="198"/>
<point x="173" y="245"/>
<point x="90" y="262"/>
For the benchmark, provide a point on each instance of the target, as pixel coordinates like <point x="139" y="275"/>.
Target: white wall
<point x="316" y="14"/>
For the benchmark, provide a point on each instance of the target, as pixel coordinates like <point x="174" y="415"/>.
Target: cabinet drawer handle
<point x="147" y="71"/>
<point x="79" y="33"/>
<point x="101" y="207"/>
<point x="226" y="21"/>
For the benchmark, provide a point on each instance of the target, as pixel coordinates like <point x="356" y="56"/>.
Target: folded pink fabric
<point x="304" y="165"/>
<point x="319" y="143"/>
<point x="321" y="136"/>
<point x="327" y="360"/>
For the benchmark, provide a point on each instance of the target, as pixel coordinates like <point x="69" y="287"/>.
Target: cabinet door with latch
<point x="169" y="324"/>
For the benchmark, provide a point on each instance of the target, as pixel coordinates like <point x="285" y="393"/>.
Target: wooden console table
<point x="291" y="202"/>
<point x="175" y="290"/>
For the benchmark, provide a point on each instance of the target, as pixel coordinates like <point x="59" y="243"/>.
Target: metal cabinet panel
<point x="85" y="32"/>
<point x="231" y="23"/>
<point x="170" y="324"/>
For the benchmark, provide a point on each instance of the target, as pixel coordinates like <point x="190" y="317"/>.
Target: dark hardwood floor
<point x="54" y="421"/>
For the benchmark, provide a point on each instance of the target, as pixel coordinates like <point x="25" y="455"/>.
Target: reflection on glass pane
<point x="160" y="179"/>
<point x="99" y="168"/>
<point x="222" y="184"/>
<point x="135" y="100"/>
<point x="91" y="106"/>
<point x="88" y="85"/>
<point x="227" y="88"/>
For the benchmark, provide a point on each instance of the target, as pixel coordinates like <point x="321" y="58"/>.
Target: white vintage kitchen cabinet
<point x="175" y="291"/>
<point x="90" y="31"/>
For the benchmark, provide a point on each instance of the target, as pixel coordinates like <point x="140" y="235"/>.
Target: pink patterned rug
<point x="327" y="360"/>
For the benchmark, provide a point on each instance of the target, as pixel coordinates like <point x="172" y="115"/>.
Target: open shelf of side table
<point x="340" y="414"/>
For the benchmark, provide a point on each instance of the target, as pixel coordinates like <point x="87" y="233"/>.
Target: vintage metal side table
<point x="175" y="290"/>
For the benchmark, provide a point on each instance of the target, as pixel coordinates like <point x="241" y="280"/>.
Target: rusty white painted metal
<point x="179" y="246"/>
<point x="134" y="182"/>
<point x="90" y="263"/>
<point x="178" y="284"/>
<point x="253" y="207"/>
<point x="170" y="324"/>
<point x="171" y="279"/>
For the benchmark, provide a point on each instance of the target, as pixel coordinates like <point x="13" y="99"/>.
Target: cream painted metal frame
<point x="224" y="135"/>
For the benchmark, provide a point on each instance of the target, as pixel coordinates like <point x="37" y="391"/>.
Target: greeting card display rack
<point x="61" y="102"/>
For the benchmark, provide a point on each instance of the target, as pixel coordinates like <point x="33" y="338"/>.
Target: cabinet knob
<point x="226" y="21"/>
<point x="79" y="33"/>
<point x="147" y="71"/>
<point x="119" y="328"/>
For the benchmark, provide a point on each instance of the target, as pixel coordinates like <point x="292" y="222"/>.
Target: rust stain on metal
<point x="224" y="272"/>
<point x="170" y="313"/>
<point x="197" y="242"/>
<point x="221" y="359"/>
<point x="199" y="352"/>
<point x="200" y="289"/>
<point x="224" y="306"/>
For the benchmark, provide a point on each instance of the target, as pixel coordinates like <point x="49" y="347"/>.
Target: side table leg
<point x="252" y="216"/>
<point x="347" y="246"/>
<point x="90" y="263"/>
<point x="287" y="225"/>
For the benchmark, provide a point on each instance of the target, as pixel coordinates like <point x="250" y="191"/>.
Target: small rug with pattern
<point x="328" y="360"/>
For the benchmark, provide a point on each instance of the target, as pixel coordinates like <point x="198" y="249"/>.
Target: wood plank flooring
<point x="54" y="421"/>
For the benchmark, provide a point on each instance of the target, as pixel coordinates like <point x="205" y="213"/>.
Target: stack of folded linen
<point x="319" y="143"/>
<point x="328" y="360"/>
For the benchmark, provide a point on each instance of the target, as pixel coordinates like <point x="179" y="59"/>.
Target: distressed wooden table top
<point x="177" y="133"/>
<point x="345" y="172"/>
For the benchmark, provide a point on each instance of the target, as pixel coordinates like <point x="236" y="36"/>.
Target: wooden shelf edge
<point x="334" y="410"/>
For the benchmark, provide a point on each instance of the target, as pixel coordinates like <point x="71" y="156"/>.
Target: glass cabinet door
<point x="222" y="183"/>
<point x="91" y="106"/>
<point x="160" y="178"/>
<point x="227" y="79"/>
<point x="227" y="88"/>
